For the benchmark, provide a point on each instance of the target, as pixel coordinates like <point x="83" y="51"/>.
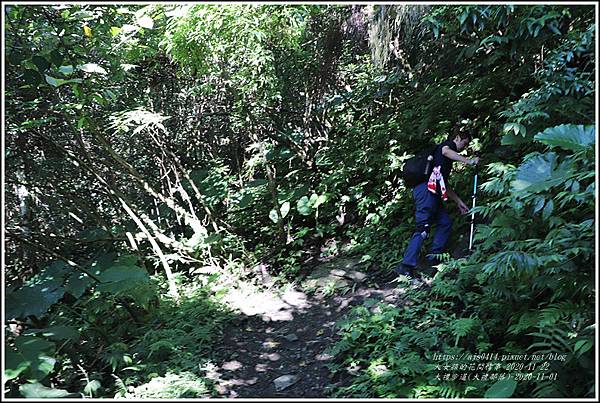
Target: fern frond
<point x="554" y="312"/>
<point x="426" y="340"/>
<point x="450" y="391"/>
<point x="446" y="288"/>
<point x="554" y="340"/>
<point x="461" y="327"/>
<point x="547" y="389"/>
<point x="525" y="321"/>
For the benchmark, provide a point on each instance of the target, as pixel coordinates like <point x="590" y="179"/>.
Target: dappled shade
<point x="210" y="200"/>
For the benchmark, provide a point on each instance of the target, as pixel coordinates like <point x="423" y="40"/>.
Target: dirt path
<point x="278" y="347"/>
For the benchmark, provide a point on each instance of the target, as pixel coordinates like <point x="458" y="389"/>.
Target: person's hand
<point x="464" y="209"/>
<point x="474" y="161"/>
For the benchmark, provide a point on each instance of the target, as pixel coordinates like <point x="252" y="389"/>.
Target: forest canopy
<point x="158" y="157"/>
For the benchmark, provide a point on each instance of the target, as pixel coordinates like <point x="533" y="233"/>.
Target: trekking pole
<point x="473" y="213"/>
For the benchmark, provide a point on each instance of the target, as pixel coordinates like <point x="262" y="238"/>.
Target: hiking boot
<point x="432" y="261"/>
<point x="404" y="274"/>
<point x="388" y="276"/>
<point x="404" y="270"/>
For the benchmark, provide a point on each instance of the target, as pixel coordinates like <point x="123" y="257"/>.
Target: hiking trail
<point x="277" y="346"/>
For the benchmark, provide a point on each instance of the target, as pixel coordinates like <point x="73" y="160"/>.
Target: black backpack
<point x="417" y="169"/>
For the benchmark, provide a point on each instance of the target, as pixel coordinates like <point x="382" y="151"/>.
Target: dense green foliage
<point x="154" y="153"/>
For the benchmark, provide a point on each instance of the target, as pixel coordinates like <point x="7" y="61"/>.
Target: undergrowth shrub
<point x="526" y="289"/>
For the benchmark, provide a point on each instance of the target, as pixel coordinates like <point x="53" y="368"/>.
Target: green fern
<point x="462" y="327"/>
<point x="525" y="321"/>
<point x="425" y="340"/>
<point x="450" y="391"/>
<point x="555" y="340"/>
<point x="545" y="389"/>
<point x="446" y="288"/>
<point x="554" y="312"/>
<point x="341" y="346"/>
<point x="503" y="291"/>
<point x="445" y="391"/>
<point x="410" y="364"/>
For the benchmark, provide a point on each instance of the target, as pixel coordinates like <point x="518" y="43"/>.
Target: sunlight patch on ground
<point x="231" y="365"/>
<point x="251" y="301"/>
<point x="182" y="385"/>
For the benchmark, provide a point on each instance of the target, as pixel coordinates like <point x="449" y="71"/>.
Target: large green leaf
<point x="51" y="276"/>
<point x="30" y="357"/>
<point x="142" y="294"/>
<point x="273" y="215"/>
<point x="320" y="200"/>
<point x="37" y="390"/>
<point x="39" y="292"/>
<point x="547" y="211"/>
<point x="77" y="283"/>
<point x="124" y="273"/>
<point x="570" y="137"/>
<point x="102" y="262"/>
<point x="503" y="388"/>
<point x="66" y="70"/>
<point x="14" y="363"/>
<point x="31" y="300"/>
<point x="57" y="82"/>
<point x="116" y="287"/>
<point x="539" y="172"/>
<point x="59" y="332"/>
<point x="128" y="280"/>
<point x="304" y="206"/>
<point x="126" y="260"/>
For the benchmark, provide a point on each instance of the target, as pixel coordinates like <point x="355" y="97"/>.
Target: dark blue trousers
<point x="429" y="211"/>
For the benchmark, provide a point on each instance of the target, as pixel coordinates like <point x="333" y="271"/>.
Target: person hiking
<point x="429" y="199"/>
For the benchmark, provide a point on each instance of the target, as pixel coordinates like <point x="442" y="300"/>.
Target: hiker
<point x="429" y="198"/>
